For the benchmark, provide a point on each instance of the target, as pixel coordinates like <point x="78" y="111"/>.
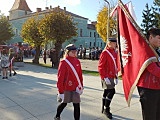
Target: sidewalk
<point x="31" y="95"/>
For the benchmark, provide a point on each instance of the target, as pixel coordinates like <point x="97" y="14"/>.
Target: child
<point x="4" y="64"/>
<point x="11" y="60"/>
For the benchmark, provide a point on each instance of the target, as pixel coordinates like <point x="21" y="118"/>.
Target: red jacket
<point x="66" y="78"/>
<point x="106" y="65"/>
<point x="150" y="78"/>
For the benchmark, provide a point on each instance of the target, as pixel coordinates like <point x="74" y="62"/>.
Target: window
<point x="90" y="34"/>
<point x="80" y="32"/>
<point x="94" y="34"/>
<point x="16" y="31"/>
<point x="90" y="44"/>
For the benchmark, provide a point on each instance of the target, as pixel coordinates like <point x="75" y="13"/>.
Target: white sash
<point x="80" y="91"/>
<point x="113" y="61"/>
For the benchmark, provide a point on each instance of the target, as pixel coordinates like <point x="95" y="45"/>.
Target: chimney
<point x="46" y="8"/>
<point x="39" y="10"/>
<point x="64" y="8"/>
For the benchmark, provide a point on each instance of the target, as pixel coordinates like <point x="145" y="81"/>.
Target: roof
<point x="91" y="26"/>
<point x="50" y="10"/>
<point x="20" y="5"/>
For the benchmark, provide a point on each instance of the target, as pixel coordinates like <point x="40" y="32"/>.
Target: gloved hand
<point x="107" y="81"/>
<point x="60" y="97"/>
<point x="79" y="90"/>
<point x="116" y="81"/>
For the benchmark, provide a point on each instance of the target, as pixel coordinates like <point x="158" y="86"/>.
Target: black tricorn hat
<point x="112" y="40"/>
<point x="70" y="47"/>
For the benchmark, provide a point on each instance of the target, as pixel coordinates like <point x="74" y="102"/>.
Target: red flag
<point x="128" y="6"/>
<point x="135" y="53"/>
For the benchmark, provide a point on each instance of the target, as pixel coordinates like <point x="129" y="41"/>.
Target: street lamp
<point x="108" y="19"/>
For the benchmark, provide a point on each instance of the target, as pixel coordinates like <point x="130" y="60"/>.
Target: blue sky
<point x="85" y="8"/>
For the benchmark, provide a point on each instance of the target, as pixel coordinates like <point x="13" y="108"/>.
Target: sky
<point x="85" y="8"/>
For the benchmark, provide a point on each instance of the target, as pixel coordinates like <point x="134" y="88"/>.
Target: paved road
<point x="31" y="95"/>
<point x="86" y="64"/>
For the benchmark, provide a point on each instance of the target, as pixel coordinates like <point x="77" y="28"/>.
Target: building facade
<point x="87" y="35"/>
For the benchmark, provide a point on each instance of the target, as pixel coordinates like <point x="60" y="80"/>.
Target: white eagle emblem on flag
<point x="124" y="50"/>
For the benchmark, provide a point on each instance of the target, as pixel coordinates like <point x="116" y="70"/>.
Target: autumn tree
<point x="6" y="31"/>
<point x="30" y="33"/>
<point x="57" y="26"/>
<point x="101" y="26"/>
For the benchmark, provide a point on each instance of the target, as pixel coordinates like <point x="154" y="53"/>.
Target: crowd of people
<point x="91" y="53"/>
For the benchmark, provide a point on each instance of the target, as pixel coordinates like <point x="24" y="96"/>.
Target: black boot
<point x="107" y="110"/>
<point x="107" y="113"/>
<point x="103" y="104"/>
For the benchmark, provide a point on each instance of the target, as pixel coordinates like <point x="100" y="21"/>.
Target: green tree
<point x="6" y="31"/>
<point x="148" y="20"/>
<point x="156" y="11"/>
<point x="58" y="27"/>
<point x="30" y="34"/>
<point x="101" y="25"/>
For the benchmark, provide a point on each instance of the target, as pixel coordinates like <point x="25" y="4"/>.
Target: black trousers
<point x="109" y="93"/>
<point x="150" y="103"/>
<point x="76" y="110"/>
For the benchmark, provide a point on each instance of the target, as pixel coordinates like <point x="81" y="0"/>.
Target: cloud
<point x="72" y="2"/>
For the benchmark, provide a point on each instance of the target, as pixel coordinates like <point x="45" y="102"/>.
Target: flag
<point x="135" y="52"/>
<point x="128" y="6"/>
<point x="131" y="10"/>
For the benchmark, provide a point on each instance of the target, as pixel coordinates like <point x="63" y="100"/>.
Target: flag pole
<point x="119" y="48"/>
<point x="108" y="19"/>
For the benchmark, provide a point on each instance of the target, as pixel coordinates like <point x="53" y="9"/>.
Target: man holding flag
<point x="149" y="82"/>
<point x="139" y="64"/>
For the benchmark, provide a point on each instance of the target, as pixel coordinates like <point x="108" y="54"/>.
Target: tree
<point x="30" y="33"/>
<point x="148" y="19"/>
<point x="156" y="11"/>
<point x="58" y="27"/>
<point x="101" y="25"/>
<point x="6" y="31"/>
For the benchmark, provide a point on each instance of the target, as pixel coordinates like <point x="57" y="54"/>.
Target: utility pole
<point x="108" y="19"/>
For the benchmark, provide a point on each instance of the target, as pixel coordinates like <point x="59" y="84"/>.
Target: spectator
<point x="11" y="60"/>
<point x="4" y="65"/>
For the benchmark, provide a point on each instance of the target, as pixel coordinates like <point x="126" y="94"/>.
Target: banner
<point x="135" y="53"/>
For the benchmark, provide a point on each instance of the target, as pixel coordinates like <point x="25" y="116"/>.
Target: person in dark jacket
<point x="53" y="57"/>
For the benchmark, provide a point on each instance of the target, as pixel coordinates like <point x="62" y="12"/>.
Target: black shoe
<point x="3" y="77"/>
<point x="57" y="118"/>
<point x="107" y="113"/>
<point x="14" y="73"/>
<point x="10" y="75"/>
<point x="6" y="77"/>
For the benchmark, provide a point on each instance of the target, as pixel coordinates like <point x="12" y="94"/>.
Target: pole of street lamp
<point x="108" y="19"/>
